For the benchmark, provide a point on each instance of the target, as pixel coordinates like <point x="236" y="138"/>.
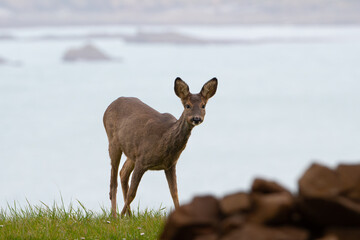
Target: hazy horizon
<point x="77" y="12"/>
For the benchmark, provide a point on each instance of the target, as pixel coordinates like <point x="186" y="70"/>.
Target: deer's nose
<point x="197" y="120"/>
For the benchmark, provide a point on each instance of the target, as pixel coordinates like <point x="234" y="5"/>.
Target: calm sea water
<point x="279" y="106"/>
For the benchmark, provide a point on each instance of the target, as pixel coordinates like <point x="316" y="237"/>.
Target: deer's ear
<point x="209" y="88"/>
<point x="181" y="88"/>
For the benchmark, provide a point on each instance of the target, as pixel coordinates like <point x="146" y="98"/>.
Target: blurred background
<point x="288" y="94"/>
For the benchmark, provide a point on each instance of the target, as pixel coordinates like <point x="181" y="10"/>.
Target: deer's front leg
<point x="171" y="179"/>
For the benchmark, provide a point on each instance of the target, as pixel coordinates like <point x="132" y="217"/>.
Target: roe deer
<point x="150" y="140"/>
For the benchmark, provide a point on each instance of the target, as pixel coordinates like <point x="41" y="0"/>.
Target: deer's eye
<point x="187" y="106"/>
<point x="203" y="106"/>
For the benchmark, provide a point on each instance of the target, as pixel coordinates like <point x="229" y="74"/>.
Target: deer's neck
<point x="178" y="135"/>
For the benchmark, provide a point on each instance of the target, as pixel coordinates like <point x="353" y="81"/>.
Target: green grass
<point x="59" y="222"/>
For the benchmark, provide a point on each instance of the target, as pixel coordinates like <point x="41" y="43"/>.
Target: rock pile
<point x="327" y="207"/>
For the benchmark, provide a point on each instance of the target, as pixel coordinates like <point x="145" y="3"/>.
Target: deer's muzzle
<point x="196" y="120"/>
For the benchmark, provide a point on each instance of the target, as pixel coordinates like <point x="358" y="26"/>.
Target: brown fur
<point x="150" y="140"/>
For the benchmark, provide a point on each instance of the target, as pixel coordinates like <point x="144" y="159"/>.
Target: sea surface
<point x="287" y="96"/>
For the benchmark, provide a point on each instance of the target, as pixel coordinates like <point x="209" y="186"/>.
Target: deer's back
<point x="131" y="124"/>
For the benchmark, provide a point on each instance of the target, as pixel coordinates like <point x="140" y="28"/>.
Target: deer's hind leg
<point x="135" y="180"/>
<point x="115" y="155"/>
<point x="125" y="172"/>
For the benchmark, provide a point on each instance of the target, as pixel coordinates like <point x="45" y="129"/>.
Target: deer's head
<point x="194" y="104"/>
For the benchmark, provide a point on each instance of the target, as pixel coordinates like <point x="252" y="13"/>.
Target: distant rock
<point x="6" y="37"/>
<point x="86" y="53"/>
<point x="163" y="37"/>
<point x="170" y="37"/>
<point x="4" y="61"/>
<point x="77" y="36"/>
